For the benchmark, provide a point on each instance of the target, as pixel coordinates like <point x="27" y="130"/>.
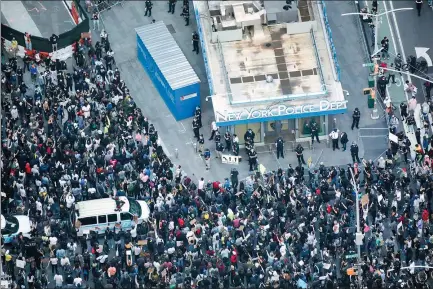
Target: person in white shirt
<point x="53" y="242"/>
<point x="78" y="281"/>
<point x="64" y="262"/>
<point x="214" y="129"/>
<point x="134" y="233"/>
<point x="201" y="184"/>
<point x="70" y="199"/>
<point x="59" y="280"/>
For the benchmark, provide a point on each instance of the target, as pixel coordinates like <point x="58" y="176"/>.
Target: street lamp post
<point x="374" y="113"/>
<point x="358" y="236"/>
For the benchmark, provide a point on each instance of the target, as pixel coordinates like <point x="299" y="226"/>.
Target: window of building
<point x="88" y="221"/>
<point x="304" y="125"/>
<point x="241" y="129"/>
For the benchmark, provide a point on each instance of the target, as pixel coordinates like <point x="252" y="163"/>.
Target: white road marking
<point x="399" y="39"/>
<point x="164" y="148"/>
<point x="69" y="13"/>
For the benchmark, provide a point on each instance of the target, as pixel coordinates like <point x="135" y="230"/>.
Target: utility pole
<point x="374" y="113"/>
<point x="410" y="74"/>
<point x="358" y="235"/>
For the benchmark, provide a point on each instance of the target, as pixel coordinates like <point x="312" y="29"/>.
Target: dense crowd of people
<point x="76" y="134"/>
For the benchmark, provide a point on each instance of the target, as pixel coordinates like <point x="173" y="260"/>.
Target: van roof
<point x="99" y="207"/>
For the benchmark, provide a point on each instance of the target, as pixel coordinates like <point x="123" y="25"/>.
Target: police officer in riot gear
<point x="249" y="136"/>
<point x="228" y="139"/>
<point x="195" y="128"/>
<point x="354" y="150"/>
<point x="279" y="143"/>
<point x="195" y="39"/>
<point x="252" y="159"/>
<point x="171" y="6"/>
<point x="314" y="132"/>
<point x="355" y="118"/>
<point x="185" y="14"/>
<point x="300" y="154"/>
<point x="148" y="4"/>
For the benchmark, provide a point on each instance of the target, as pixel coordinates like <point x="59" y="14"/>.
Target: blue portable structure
<point x="168" y="68"/>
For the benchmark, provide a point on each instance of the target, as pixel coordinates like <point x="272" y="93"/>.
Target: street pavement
<point x="40" y="18"/>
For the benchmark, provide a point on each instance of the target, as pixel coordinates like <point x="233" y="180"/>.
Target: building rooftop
<point x="289" y="59"/>
<point x="252" y="66"/>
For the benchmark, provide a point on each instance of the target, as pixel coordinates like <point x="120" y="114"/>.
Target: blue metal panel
<point x="188" y="98"/>
<point x="282" y="117"/>
<point x="157" y="78"/>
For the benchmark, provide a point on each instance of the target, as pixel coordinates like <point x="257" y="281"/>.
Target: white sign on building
<point x="279" y="110"/>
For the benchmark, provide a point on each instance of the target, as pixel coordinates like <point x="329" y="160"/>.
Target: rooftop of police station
<point x="254" y="63"/>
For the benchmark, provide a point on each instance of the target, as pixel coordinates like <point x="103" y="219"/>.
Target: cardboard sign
<point x="229" y="159"/>
<point x="20" y="263"/>
<point x="365" y="200"/>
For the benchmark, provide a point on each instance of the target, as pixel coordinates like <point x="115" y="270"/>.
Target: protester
<point x="77" y="134"/>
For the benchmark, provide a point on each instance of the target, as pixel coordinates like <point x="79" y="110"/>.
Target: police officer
<point x="355" y="118"/>
<point x="206" y="155"/>
<point x="334" y="137"/>
<point x="201" y="143"/>
<point x="300" y="154"/>
<point x="314" y="132"/>
<point x="228" y="138"/>
<point x="279" y="143"/>
<point x="249" y="136"/>
<point x="148" y="4"/>
<point x="354" y="150"/>
<point x="418" y="6"/>
<point x="171" y="6"/>
<point x="185" y="14"/>
<point x="403" y="110"/>
<point x="198" y="115"/>
<point x="195" y="128"/>
<point x="252" y="159"/>
<point x="195" y="40"/>
<point x="234" y="178"/>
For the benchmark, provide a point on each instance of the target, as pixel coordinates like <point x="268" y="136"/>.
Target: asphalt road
<point x="412" y="31"/>
<point x="49" y="16"/>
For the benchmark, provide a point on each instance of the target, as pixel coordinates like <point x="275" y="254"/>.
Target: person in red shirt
<point x="234" y="258"/>
<point x="425" y="215"/>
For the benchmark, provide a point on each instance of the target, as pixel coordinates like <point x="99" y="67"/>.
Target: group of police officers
<point x="232" y="142"/>
<point x="171" y="8"/>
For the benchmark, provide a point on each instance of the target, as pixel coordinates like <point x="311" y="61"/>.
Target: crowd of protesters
<point x="72" y="134"/>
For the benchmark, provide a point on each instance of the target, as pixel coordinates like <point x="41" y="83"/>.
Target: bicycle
<point x="414" y="66"/>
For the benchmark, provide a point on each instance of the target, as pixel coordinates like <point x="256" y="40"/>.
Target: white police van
<point x="97" y="215"/>
<point x="11" y="226"/>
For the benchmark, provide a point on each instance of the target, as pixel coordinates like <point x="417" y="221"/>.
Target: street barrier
<point x="331" y="41"/>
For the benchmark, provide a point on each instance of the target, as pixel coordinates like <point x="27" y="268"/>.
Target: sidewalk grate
<point x="171" y="28"/>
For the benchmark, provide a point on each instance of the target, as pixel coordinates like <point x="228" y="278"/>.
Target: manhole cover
<point x="171" y="28"/>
